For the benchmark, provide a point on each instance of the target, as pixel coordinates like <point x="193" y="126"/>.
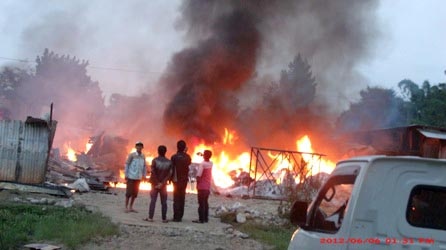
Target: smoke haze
<point x="213" y="72"/>
<point x="333" y="36"/>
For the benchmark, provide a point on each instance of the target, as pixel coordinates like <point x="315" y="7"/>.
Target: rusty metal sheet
<point x="9" y="140"/>
<point x="24" y="149"/>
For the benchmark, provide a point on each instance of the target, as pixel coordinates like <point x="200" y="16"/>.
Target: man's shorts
<point x="132" y="188"/>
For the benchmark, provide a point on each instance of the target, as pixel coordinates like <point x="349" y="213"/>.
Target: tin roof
<point x="435" y="134"/>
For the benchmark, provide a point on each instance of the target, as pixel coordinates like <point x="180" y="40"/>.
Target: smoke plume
<point x="229" y="75"/>
<point x="236" y="42"/>
<point x="209" y="74"/>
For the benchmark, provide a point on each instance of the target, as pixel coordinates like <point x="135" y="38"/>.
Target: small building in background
<point x="416" y="140"/>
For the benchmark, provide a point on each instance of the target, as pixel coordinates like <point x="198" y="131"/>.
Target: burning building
<point x="220" y="92"/>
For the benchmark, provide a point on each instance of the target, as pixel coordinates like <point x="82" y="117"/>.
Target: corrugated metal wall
<point x="23" y="151"/>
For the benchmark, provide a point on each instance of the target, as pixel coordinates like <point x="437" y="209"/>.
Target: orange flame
<point x="322" y="165"/>
<point x="144" y="185"/>
<point x="223" y="163"/>
<point x="149" y="156"/>
<point x="229" y="138"/>
<point x="88" y="146"/>
<point x="282" y="163"/>
<point x="314" y="163"/>
<point x="226" y="165"/>
<point x="70" y="152"/>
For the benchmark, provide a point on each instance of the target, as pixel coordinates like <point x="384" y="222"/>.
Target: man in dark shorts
<point x="180" y="162"/>
<point x="135" y="170"/>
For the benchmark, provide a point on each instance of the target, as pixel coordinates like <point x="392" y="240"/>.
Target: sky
<point x="141" y="36"/>
<point x="413" y="43"/>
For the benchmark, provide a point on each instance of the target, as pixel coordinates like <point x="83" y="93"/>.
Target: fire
<point x="227" y="164"/>
<point x="149" y="156"/>
<point x="71" y="153"/>
<point x="223" y="163"/>
<point x="88" y="146"/>
<point x="229" y="137"/>
<point x="304" y="145"/>
<point x="144" y="185"/>
<point x="284" y="163"/>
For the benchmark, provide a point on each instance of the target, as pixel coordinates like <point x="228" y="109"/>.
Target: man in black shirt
<point x="180" y="162"/>
<point x="161" y="172"/>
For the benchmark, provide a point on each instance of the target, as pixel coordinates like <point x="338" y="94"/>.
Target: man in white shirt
<point x="135" y="171"/>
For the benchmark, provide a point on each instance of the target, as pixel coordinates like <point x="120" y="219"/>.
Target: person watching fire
<point x="160" y="174"/>
<point x="180" y="162"/>
<point x="135" y="171"/>
<point x="204" y="180"/>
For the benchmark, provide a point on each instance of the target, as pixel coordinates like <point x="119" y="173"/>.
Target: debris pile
<point x="65" y="172"/>
<point x="285" y="190"/>
<point x="92" y="170"/>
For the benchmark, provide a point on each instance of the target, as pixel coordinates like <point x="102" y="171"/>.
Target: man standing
<point x="135" y="170"/>
<point x="180" y="162"/>
<point x="204" y="181"/>
<point x="161" y="172"/>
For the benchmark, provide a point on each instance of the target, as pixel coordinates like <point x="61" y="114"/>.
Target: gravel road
<point x="185" y="235"/>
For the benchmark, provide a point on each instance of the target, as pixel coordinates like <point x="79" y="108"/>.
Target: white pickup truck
<point x="376" y="202"/>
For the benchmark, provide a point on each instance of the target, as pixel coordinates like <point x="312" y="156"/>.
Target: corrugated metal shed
<point x="24" y="149"/>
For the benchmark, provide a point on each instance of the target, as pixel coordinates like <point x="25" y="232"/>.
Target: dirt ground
<point x="139" y="234"/>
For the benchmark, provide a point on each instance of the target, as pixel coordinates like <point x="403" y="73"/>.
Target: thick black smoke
<point x="208" y="75"/>
<point x="236" y="51"/>
<point x="237" y="41"/>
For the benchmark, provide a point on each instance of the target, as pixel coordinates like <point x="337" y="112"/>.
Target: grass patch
<point x="276" y="236"/>
<point x="25" y="223"/>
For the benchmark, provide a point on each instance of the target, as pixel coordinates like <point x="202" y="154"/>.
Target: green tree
<point x="285" y="105"/>
<point x="10" y="79"/>
<point x="294" y="92"/>
<point x="297" y="85"/>
<point x="62" y="80"/>
<point x="377" y="108"/>
<point x="427" y="104"/>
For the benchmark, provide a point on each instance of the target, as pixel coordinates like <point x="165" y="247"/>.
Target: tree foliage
<point x="11" y="78"/>
<point x="427" y="104"/>
<point x="381" y="108"/>
<point x="58" y="79"/>
<point x="297" y="84"/>
<point x="377" y="108"/>
<point x="295" y="90"/>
